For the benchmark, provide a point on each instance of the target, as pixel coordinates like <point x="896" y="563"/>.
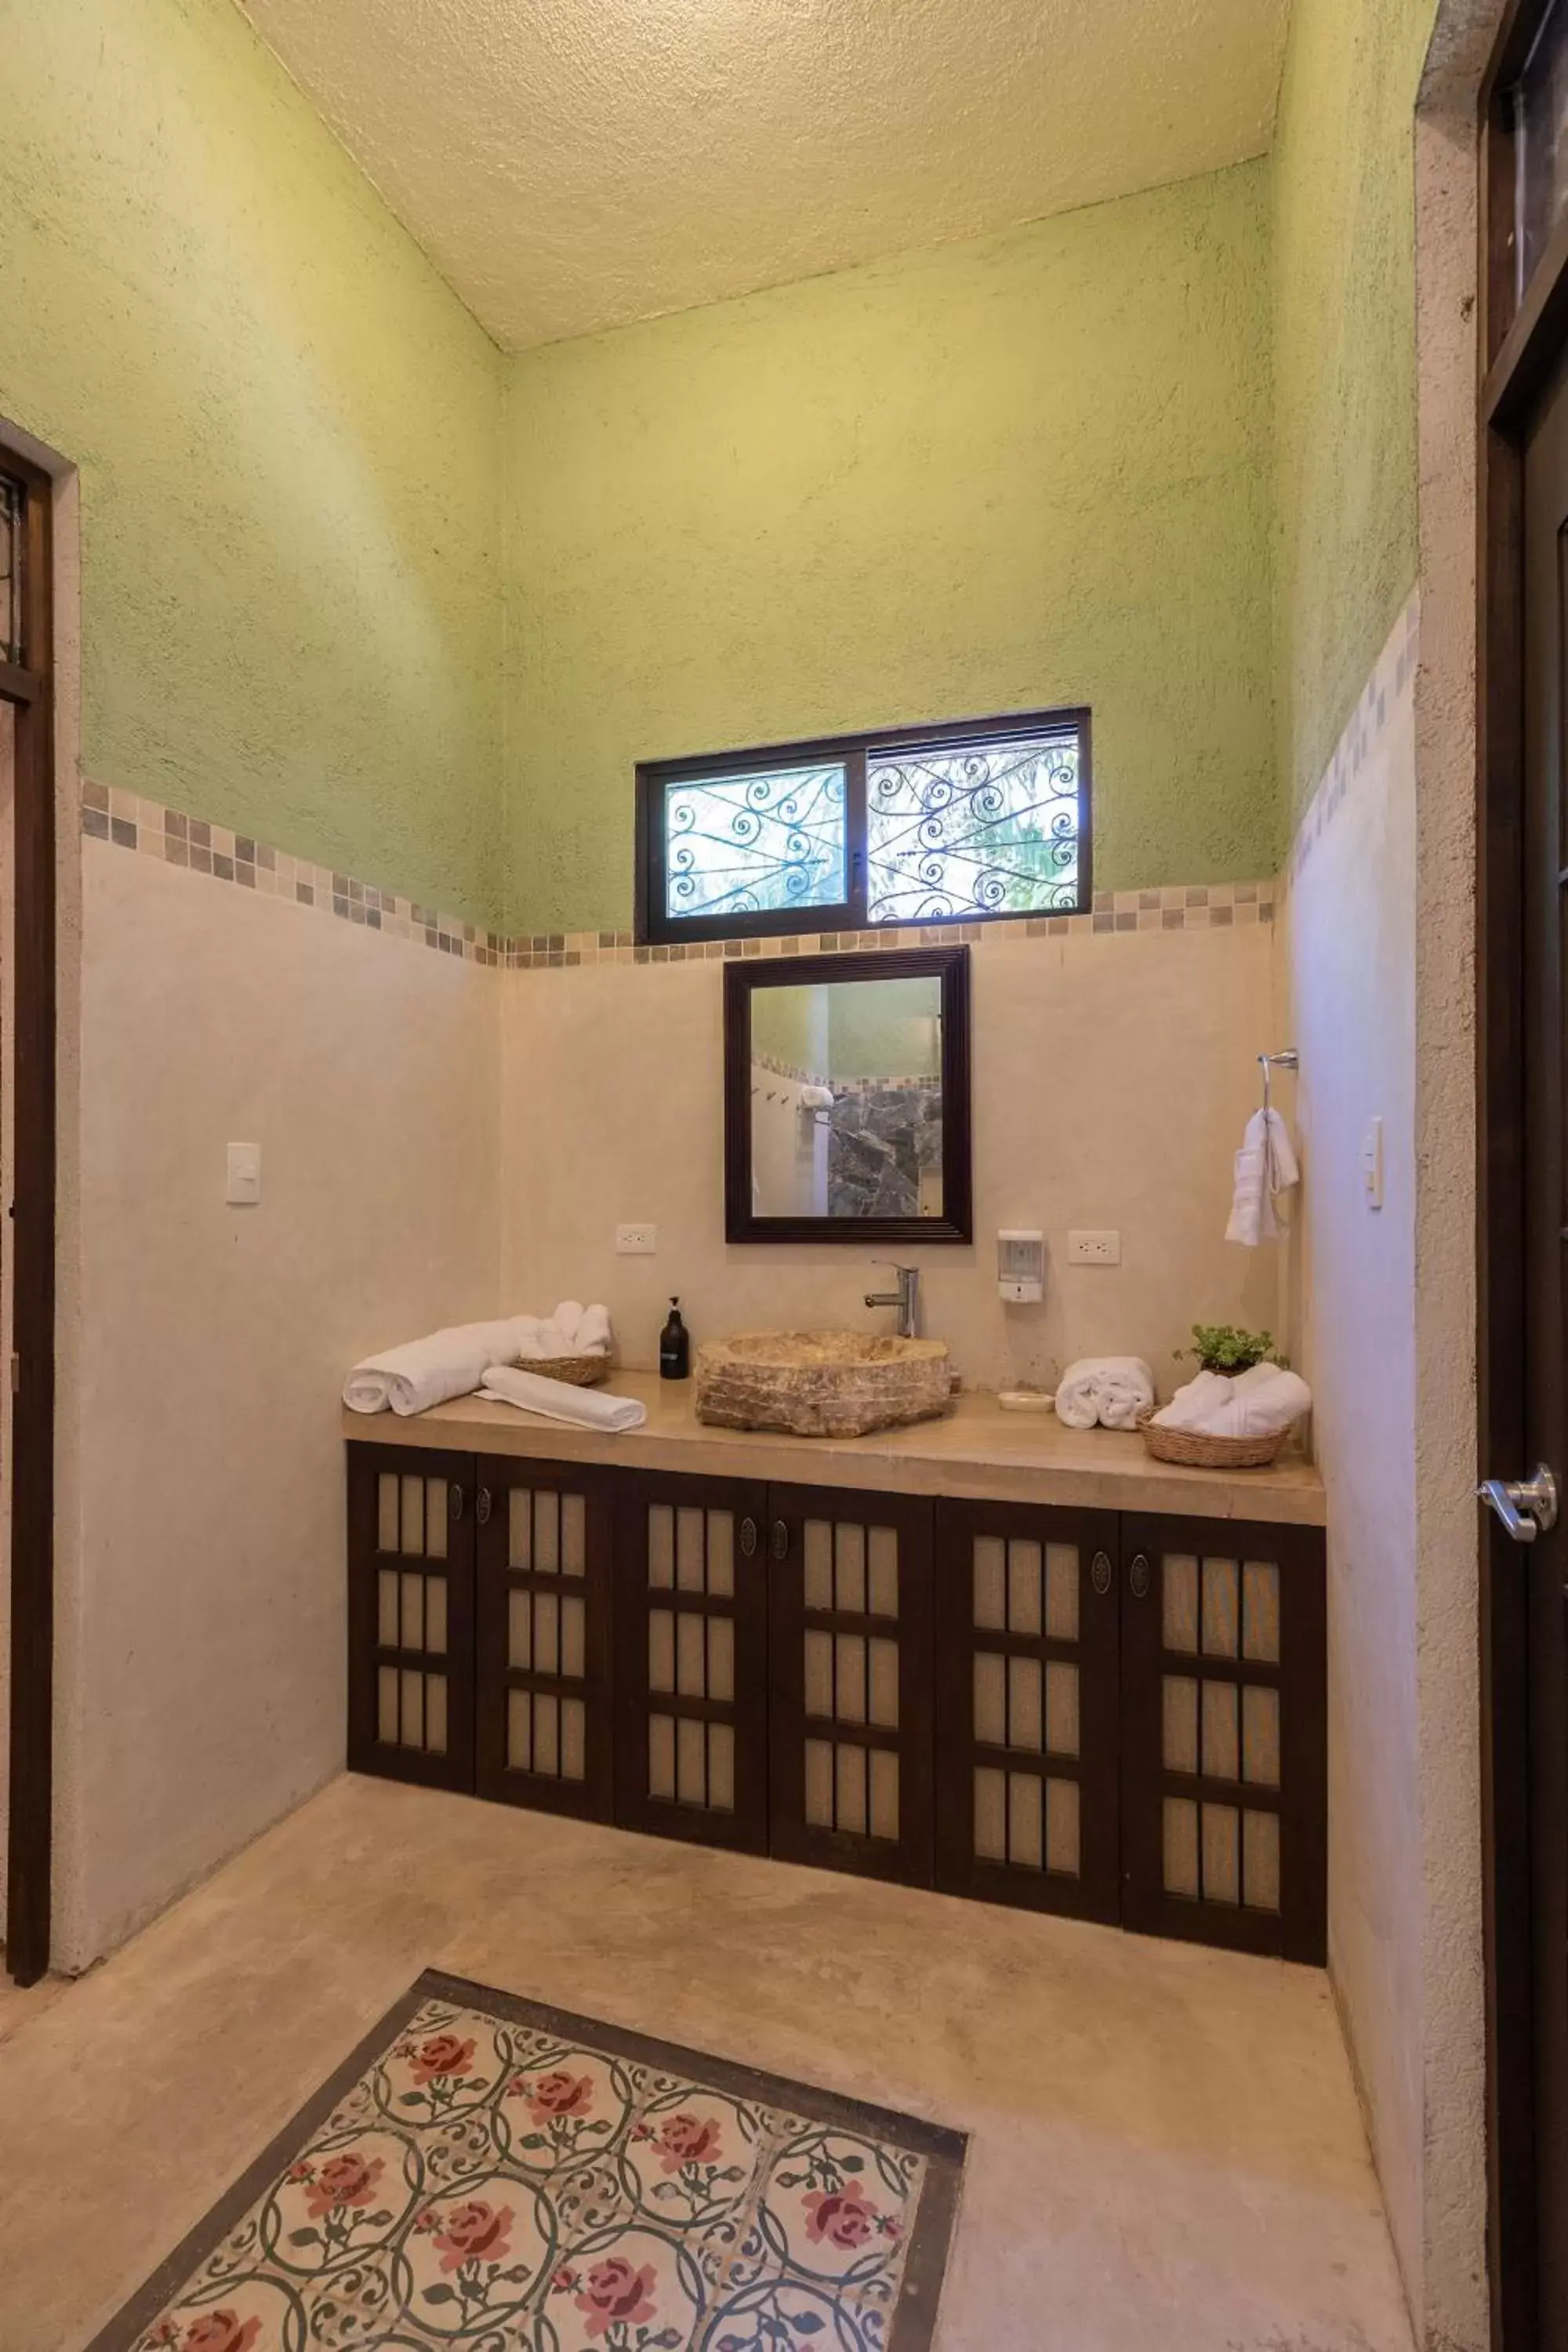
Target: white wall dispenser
<point x="1021" y="1267"/>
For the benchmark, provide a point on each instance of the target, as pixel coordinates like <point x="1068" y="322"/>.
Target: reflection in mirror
<point x="846" y="1099"/>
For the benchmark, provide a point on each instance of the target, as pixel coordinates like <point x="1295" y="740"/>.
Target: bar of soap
<point x="1025" y="1400"/>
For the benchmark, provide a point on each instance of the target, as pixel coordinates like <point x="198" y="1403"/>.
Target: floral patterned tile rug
<point x="485" y="2175"/>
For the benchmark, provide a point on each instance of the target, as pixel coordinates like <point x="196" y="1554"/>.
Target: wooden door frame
<point x="30" y="691"/>
<point x="1520" y="340"/>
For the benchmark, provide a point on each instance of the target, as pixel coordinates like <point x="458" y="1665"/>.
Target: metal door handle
<point x="482" y="1506"/>
<point x="455" y="1502"/>
<point x="1527" y="1506"/>
<point x="748" y="1538"/>
<point x="781" y="1539"/>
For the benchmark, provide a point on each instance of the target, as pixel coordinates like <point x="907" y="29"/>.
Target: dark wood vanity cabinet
<point x="411" y="1615"/>
<point x="1115" y="1716"/>
<point x="1029" y="1706"/>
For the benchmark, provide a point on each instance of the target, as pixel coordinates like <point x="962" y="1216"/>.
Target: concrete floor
<point x="1166" y="2149"/>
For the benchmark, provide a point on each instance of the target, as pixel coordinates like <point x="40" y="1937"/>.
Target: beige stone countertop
<point x="977" y="1450"/>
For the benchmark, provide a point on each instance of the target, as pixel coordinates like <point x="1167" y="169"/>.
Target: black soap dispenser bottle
<point x="674" y="1347"/>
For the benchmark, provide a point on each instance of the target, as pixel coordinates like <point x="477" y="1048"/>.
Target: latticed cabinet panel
<point x="411" y="1621"/>
<point x="1028" y="1705"/>
<point x="544" y="1638"/>
<point x="850" y="1681"/>
<point x="1224" y="1791"/>
<point x="691" y="1660"/>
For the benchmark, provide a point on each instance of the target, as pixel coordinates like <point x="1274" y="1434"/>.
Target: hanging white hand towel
<point x="1265" y="1168"/>
<point x="558" y="1401"/>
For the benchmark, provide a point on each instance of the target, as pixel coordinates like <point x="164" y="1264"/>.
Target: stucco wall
<point x="1343" y="257"/>
<point x="287" y="430"/>
<point x="1021" y="471"/>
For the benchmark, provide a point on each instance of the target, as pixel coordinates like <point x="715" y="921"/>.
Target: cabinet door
<point x="849" y="1675"/>
<point x="1028" y="1705"/>
<point x="691" y="1660"/>
<point x="1223" y="1706"/>
<point x="411" y="1615"/>
<point x="543" y="1638"/>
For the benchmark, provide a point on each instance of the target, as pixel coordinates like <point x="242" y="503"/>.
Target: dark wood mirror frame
<point x="741" y="980"/>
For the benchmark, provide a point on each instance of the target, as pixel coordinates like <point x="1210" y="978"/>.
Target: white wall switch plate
<point x="637" y="1241"/>
<point x="243" y="1175"/>
<point x="1371" y="1163"/>
<point x="1094" y="1249"/>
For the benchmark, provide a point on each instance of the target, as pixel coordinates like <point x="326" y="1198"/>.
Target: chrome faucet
<point x="906" y="1298"/>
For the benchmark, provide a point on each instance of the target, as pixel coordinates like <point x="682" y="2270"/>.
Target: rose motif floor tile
<point x="485" y="2175"/>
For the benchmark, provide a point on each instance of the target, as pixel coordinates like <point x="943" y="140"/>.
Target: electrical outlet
<point x="1094" y="1249"/>
<point x="637" y="1241"/>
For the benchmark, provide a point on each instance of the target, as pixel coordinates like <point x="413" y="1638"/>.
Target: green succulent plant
<point x="1222" y="1347"/>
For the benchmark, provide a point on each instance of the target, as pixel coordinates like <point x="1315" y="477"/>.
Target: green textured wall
<point x="288" y="432"/>
<point x="1344" y="333"/>
<point x="1025" y="470"/>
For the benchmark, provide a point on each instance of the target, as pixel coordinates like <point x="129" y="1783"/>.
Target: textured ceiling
<point x="574" y="165"/>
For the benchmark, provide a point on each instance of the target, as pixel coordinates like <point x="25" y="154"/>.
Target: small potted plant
<point x="1222" y="1347"/>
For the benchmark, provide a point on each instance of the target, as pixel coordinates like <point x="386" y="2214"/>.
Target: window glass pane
<point x="982" y="828"/>
<point x="1541" y="128"/>
<point x="755" y="844"/>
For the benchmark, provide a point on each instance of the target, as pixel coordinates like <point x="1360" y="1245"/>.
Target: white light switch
<point x="243" y="1175"/>
<point x="1372" y="1164"/>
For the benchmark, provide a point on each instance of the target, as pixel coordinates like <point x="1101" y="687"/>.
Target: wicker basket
<point x="1194" y="1451"/>
<point x="581" y="1371"/>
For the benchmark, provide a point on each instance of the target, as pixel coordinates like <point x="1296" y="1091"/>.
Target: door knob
<point x="1527" y="1506"/>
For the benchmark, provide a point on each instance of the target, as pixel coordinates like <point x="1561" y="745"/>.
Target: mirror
<point x="847" y="1097"/>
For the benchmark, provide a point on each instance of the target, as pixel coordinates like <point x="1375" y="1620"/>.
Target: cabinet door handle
<point x="748" y="1538"/>
<point x="1099" y="1573"/>
<point x="455" y="1501"/>
<point x="781" y="1539"/>
<point x="1141" y="1576"/>
<point x="482" y="1506"/>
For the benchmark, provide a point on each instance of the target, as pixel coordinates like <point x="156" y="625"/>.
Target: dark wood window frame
<point x="742" y="979"/>
<point x="655" y="928"/>
<point x="1522" y="334"/>
<point x="28" y="687"/>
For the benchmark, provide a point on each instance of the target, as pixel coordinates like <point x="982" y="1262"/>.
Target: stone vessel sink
<point x="820" y="1384"/>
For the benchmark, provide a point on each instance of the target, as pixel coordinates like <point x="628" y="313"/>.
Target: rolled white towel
<point x="1111" y="1390"/>
<point x="559" y="1401"/>
<point x="423" y="1372"/>
<point x="571" y="1330"/>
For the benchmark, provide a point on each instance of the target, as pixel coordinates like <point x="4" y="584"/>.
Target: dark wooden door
<point x="850" y="1673"/>
<point x="1542" y="1566"/>
<point x="1027" y="1701"/>
<point x="1223" y="1734"/>
<point x="544" y="1634"/>
<point x="691" y="1660"/>
<point x="411" y="1615"/>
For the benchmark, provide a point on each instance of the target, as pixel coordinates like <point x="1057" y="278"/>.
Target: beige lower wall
<point x="1114" y="1075"/>
<point x="202" y="1582"/>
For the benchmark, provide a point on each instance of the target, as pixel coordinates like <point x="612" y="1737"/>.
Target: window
<point x="939" y="824"/>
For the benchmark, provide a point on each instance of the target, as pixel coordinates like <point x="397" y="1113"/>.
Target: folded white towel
<point x="1110" y="1390"/>
<point x="422" y="1373"/>
<point x="1265" y="1168"/>
<point x="1256" y="1403"/>
<point x="559" y="1401"/>
<point x="452" y="1362"/>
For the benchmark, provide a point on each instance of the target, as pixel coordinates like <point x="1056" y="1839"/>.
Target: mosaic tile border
<point x="151" y="830"/>
<point x="1389" y="686"/>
